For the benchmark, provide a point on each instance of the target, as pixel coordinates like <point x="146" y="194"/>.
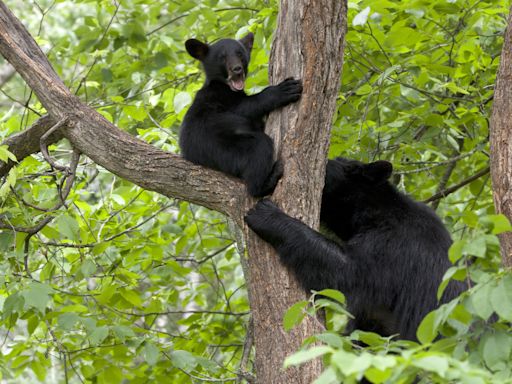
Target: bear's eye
<point x="240" y="54"/>
<point x="222" y="56"/>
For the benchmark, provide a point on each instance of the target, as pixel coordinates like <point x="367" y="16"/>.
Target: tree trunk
<point x="309" y="45"/>
<point x="501" y="145"/>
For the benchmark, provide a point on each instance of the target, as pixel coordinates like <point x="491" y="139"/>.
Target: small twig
<point x="458" y="186"/>
<point x="64" y="193"/>
<point x="181" y="312"/>
<point x="26" y="248"/>
<point x="44" y="145"/>
<point x="439" y="163"/>
<point x="204" y="259"/>
<point x="30" y="230"/>
<point x="444" y="180"/>
<point x="61" y="348"/>
<point x="246" y="354"/>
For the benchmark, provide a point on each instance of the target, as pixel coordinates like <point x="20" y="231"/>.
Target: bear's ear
<point x="378" y="171"/>
<point x="197" y="49"/>
<point x="247" y="41"/>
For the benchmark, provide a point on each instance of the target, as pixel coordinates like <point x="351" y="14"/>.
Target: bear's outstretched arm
<point x="317" y="262"/>
<point x="275" y="96"/>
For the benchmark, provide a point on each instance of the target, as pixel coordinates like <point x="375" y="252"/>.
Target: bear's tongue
<point x="236" y="85"/>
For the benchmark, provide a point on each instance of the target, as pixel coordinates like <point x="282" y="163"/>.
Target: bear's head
<point x="226" y="60"/>
<point x="354" y="191"/>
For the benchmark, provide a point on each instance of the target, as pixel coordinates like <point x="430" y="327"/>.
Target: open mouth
<point x="236" y="83"/>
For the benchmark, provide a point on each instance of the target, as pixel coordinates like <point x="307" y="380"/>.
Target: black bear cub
<point x="390" y="255"/>
<point x="224" y="127"/>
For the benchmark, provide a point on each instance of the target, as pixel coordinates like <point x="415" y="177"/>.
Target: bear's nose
<point x="237" y="69"/>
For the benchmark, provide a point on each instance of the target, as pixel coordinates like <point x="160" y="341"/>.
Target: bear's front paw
<point x="289" y="90"/>
<point x="260" y="217"/>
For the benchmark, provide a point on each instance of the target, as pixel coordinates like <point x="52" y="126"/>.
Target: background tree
<point x="107" y="281"/>
<point x="501" y="142"/>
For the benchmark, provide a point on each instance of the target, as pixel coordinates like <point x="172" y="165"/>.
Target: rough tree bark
<point x="501" y="142"/>
<point x="308" y="45"/>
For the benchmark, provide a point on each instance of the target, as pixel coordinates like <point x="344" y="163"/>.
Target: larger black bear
<point x="392" y="255"/>
<point x="224" y="127"/>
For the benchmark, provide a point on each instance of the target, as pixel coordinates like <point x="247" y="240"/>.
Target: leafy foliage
<point x="122" y="285"/>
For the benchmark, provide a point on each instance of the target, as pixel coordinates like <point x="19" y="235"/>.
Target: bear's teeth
<point x="237" y="85"/>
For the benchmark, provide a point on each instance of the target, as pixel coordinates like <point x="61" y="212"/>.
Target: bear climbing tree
<point x="388" y="241"/>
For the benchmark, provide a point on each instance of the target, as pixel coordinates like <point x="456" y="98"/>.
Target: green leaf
<point x="136" y="113"/>
<point x="67" y="321"/>
<point x="123" y="332"/>
<point x="343" y="360"/>
<point x="74" y="308"/>
<point x="68" y="227"/>
<point x="496" y="349"/>
<point x="481" y="300"/>
<point x="331" y="338"/>
<point x="501" y="298"/>
<point x="181" y="101"/>
<point x="151" y="353"/>
<point x="306" y="355"/>
<point x="433" y="363"/>
<point x="32" y="324"/>
<point x="427" y="331"/>
<point x="6" y="155"/>
<point x="111" y="375"/>
<point x="500" y="223"/>
<point x="183" y="359"/>
<point x="13" y="303"/>
<point x="375" y="375"/>
<point x="359" y="364"/>
<point x="327" y="377"/>
<point x="476" y="246"/>
<point x="98" y="334"/>
<point x="39" y="370"/>
<point x="333" y="294"/>
<point x="455" y="251"/>
<point x="294" y="315"/>
<point x="107" y="291"/>
<point x="9" y="182"/>
<point x="88" y="268"/>
<point x="361" y="17"/>
<point x="132" y="297"/>
<point x="37" y="296"/>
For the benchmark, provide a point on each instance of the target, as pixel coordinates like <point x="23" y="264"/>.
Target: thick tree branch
<point x="104" y="143"/>
<point x="501" y="141"/>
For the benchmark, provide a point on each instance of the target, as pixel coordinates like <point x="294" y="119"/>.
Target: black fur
<point x="224" y="127"/>
<point x="392" y="253"/>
